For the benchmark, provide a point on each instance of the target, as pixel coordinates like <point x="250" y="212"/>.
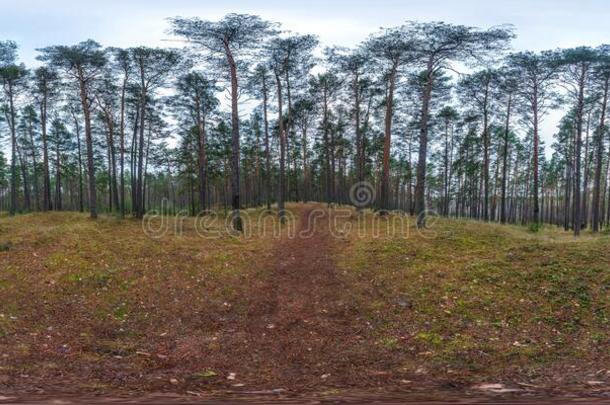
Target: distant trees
<point x="354" y="65"/>
<point x="325" y="87"/>
<point x="537" y="74"/>
<point x="508" y="87"/>
<point x="45" y="89"/>
<point x="121" y="64"/>
<point x="259" y="87"/>
<point x="435" y="47"/>
<point x="12" y="77"/>
<point x="60" y="138"/>
<point x="196" y="100"/>
<point x="287" y="56"/>
<point x="576" y="74"/>
<point x="107" y="110"/>
<point x="233" y="37"/>
<point x="4" y="176"/>
<point x="304" y="113"/>
<point x="152" y="66"/>
<point x="83" y="63"/>
<point x="392" y="48"/>
<point x="432" y="115"/>
<point x="26" y="128"/>
<point x="448" y="115"/>
<point x="601" y="79"/>
<point x="477" y="88"/>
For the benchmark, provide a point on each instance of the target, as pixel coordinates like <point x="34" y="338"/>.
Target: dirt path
<point x="302" y="313"/>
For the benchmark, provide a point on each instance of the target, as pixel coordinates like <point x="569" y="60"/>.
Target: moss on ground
<point x="485" y="300"/>
<point x="85" y="294"/>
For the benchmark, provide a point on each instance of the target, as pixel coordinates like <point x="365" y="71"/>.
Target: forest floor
<point x="330" y="305"/>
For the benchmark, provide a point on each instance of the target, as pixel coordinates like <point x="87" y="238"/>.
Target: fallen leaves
<point x="206" y="374"/>
<point x="143" y="353"/>
<point x="495" y="388"/>
<point x="595" y="382"/>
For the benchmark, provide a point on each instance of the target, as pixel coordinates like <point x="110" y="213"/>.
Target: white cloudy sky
<point x="539" y="24"/>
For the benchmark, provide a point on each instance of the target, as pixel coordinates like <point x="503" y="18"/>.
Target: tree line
<point x="434" y="116"/>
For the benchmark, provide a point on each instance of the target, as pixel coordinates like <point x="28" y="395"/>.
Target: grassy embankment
<point x="475" y="302"/>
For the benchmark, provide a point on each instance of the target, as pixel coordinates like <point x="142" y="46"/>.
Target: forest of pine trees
<point x="436" y="116"/>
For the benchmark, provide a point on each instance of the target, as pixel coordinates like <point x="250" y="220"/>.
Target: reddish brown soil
<point x="304" y="323"/>
<point x="300" y="329"/>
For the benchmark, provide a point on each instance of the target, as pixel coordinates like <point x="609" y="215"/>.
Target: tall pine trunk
<point x="505" y="161"/>
<point x="122" y="148"/>
<point x="420" y="185"/>
<point x="235" y="191"/>
<point x="282" y="182"/>
<point x="576" y="206"/>
<point x="11" y="121"/>
<point x="267" y="147"/>
<point x="89" y="141"/>
<point x="202" y="158"/>
<point x="599" y="154"/>
<point x="46" y="181"/>
<point x="387" y="140"/>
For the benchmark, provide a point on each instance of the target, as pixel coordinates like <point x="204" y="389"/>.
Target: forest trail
<point x="299" y="316"/>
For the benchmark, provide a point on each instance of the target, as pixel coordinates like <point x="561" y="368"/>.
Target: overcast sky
<point x="541" y="24"/>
